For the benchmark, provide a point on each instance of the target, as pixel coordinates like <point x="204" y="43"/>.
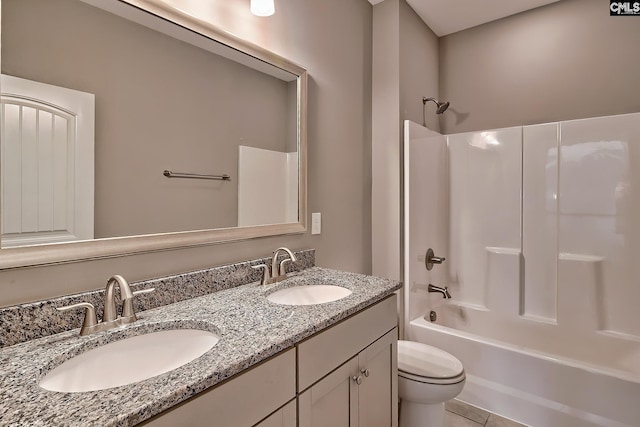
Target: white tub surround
<point x="539" y="227"/>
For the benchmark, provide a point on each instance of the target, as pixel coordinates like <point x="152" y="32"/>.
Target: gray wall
<point x="160" y="104"/>
<point x="404" y="70"/>
<point x="385" y="182"/>
<point x="332" y="40"/>
<point x="564" y="61"/>
<point x="418" y="68"/>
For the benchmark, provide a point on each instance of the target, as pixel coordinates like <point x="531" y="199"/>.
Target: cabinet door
<point x="378" y="392"/>
<point x="332" y="401"/>
<point x="284" y="417"/>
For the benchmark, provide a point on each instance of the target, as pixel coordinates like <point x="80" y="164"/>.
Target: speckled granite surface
<point x="251" y="328"/>
<point x="26" y="322"/>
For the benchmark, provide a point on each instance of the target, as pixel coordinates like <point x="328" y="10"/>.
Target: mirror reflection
<point x="98" y="102"/>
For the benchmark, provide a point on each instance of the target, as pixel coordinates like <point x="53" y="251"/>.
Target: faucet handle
<point x="265" y="273"/>
<point x="143" y="291"/>
<point x="278" y="271"/>
<point x="90" y="318"/>
<point x="282" y="270"/>
<point x="431" y="259"/>
<point x="128" y="311"/>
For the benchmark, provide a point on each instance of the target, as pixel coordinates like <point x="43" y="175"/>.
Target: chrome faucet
<point x="276" y="272"/>
<point x="110" y="318"/>
<point x="282" y="271"/>
<point x="126" y="296"/>
<point x="440" y="289"/>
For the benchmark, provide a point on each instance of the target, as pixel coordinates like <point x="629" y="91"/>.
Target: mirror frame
<point x="57" y="253"/>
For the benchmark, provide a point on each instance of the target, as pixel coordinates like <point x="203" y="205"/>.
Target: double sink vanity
<point x="266" y="342"/>
<point x="312" y="347"/>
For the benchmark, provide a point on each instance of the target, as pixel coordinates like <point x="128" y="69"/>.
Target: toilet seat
<point x="427" y="364"/>
<point x="437" y="381"/>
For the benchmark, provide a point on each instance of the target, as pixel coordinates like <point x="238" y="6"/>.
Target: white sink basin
<point x="308" y="294"/>
<point x="129" y="360"/>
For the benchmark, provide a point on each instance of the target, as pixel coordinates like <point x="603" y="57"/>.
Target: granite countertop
<point x="251" y="330"/>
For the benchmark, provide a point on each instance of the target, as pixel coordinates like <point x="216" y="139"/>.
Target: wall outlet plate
<point x="316" y="223"/>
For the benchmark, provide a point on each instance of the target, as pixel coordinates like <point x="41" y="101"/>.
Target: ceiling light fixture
<point x="262" y="7"/>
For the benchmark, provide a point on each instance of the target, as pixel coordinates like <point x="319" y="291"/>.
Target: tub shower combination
<point x="537" y="227"/>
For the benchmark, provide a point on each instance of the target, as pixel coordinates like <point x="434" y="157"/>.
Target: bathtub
<point x="552" y="381"/>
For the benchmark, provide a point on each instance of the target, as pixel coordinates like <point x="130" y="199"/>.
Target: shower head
<point x="442" y="106"/>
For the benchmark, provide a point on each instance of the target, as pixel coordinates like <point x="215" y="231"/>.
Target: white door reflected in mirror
<point x="47" y="163"/>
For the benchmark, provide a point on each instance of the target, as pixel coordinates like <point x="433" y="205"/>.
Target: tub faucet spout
<point x="440" y="289"/>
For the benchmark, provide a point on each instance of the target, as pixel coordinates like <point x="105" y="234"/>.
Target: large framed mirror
<point x="128" y="126"/>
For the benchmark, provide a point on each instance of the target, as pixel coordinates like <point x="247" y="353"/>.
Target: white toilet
<point x="427" y="377"/>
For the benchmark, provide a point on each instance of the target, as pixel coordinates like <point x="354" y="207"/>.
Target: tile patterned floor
<point x="460" y="414"/>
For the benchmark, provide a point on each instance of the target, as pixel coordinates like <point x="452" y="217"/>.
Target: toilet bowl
<point x="427" y="377"/>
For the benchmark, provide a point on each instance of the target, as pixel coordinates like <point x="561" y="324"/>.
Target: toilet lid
<point x="427" y="361"/>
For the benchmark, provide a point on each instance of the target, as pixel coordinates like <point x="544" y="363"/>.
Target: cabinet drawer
<point x="320" y="354"/>
<point x="242" y="401"/>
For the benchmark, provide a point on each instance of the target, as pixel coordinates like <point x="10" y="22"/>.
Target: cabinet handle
<point x="358" y="379"/>
<point x="365" y="372"/>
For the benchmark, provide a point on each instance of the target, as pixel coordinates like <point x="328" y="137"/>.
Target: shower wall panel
<point x="542" y="223"/>
<point x="599" y="233"/>
<point x="426" y="196"/>
<point x="485" y="211"/>
<point x="573" y="260"/>
<point x="539" y="220"/>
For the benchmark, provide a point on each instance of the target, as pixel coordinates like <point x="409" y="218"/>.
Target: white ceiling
<point x="448" y="16"/>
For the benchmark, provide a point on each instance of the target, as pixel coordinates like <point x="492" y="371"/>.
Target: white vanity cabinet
<point x="347" y="375"/>
<point x="358" y="393"/>
<point x="245" y="400"/>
